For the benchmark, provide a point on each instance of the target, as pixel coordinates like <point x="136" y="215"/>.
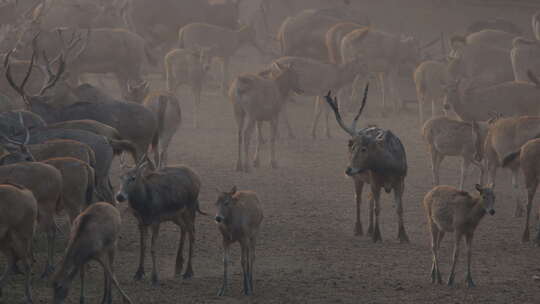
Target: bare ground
<point x="307" y="252"/>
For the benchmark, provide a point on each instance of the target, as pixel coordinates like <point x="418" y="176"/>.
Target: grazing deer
<point x="529" y="164"/>
<point x="238" y="218"/>
<point x="377" y="157"/>
<point x="450" y="137"/>
<point x="451" y="210"/>
<point x="18" y="217"/>
<point x="168" y="194"/>
<point x="94" y="236"/>
<point x="45" y="182"/>
<point x="258" y="99"/>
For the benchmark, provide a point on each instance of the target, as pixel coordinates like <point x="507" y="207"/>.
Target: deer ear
<point x="478" y="188"/>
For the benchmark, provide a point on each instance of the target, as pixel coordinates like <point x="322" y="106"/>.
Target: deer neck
<point x="283" y="86"/>
<point x="477" y="211"/>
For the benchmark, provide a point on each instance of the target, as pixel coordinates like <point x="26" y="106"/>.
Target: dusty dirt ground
<point x="307" y="252"/>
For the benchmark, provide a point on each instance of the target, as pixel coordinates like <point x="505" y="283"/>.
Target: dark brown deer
<point x="377" y="157"/>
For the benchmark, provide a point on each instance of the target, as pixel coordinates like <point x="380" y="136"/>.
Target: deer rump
<point x="392" y="158"/>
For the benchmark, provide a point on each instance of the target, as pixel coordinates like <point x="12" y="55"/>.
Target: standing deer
<point x="187" y="67"/>
<point x="451" y="137"/>
<point x="530" y="166"/>
<point x="222" y="41"/>
<point x="377" y="157"/>
<point x="257" y="99"/>
<point x="451" y="210"/>
<point x="168" y="194"/>
<point x="18" y="217"/>
<point x="238" y="218"/>
<point x="536" y="25"/>
<point x="430" y="78"/>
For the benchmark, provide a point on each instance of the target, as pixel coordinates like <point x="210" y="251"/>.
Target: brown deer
<point x="239" y="217"/>
<point x="18" y="217"/>
<point x="94" y="236"/>
<point x="451" y="210"/>
<point x="157" y="196"/>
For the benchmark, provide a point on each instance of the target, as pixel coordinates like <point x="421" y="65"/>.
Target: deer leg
<point x="531" y="191"/>
<point x="316" y="116"/>
<point x="457" y="241"/>
<point x="81" y="275"/>
<point x="107" y="266"/>
<point x="326" y="110"/>
<point x="435" y="273"/>
<point x="240" y="117"/>
<point x="260" y="135"/>
<point x="285" y="115"/>
<point x="358" y="187"/>
<point x="143" y="235"/>
<point x="197" y="104"/>
<point x="371" y="213"/>
<point x="10" y="257"/>
<point x="251" y="262"/>
<point x="248" y="132"/>
<point x="225" y="79"/>
<point x="516" y="191"/>
<point x="153" y="252"/>
<point x="273" y="133"/>
<point x="107" y="294"/>
<point x="381" y="79"/>
<point x="394" y="91"/>
<point x="245" y="262"/>
<point x="436" y="160"/>
<point x="468" y="277"/>
<point x="191" y="235"/>
<point x="180" y="254"/>
<point x="48" y="223"/>
<point x="398" y="198"/>
<point x="421" y="100"/>
<point x="225" y="267"/>
<point x="465" y="164"/>
<point x="256" y="160"/>
<point x="376" y="236"/>
<point x="27" y="264"/>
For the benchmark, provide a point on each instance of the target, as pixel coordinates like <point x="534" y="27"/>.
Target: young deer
<point x="94" y="236"/>
<point x="451" y="210"/>
<point x="18" y="217"/>
<point x="239" y="217"/>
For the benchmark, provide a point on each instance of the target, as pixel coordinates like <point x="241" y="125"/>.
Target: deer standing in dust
<point x="239" y="217"/>
<point x="377" y="157"/>
<point x="451" y="210"/>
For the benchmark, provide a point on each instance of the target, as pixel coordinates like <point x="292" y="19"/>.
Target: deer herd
<point x="59" y="135"/>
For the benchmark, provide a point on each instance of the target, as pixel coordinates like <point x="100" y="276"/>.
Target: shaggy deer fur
<point x="451" y="210"/>
<point x="239" y="217"/>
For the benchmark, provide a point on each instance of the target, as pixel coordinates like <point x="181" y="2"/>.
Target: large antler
<point x="52" y="78"/>
<point x="7" y="66"/>
<point x="334" y="105"/>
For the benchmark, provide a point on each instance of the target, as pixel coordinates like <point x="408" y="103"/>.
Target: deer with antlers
<point x="377" y="157"/>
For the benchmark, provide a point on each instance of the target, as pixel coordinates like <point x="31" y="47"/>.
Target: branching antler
<point x="20" y="88"/>
<point x="334" y="105"/>
<point x="52" y="78"/>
